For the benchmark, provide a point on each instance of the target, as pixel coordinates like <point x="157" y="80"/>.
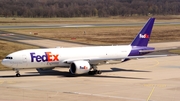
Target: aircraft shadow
<point x="67" y="74"/>
<point x="115" y="69"/>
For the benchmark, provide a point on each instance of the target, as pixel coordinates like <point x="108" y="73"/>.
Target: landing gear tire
<point x="95" y="72"/>
<point x="91" y="73"/>
<point x="99" y="72"/>
<point x="18" y="75"/>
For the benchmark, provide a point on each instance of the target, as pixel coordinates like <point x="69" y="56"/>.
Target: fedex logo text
<point x="48" y="56"/>
<point x="83" y="67"/>
<point x="143" y="36"/>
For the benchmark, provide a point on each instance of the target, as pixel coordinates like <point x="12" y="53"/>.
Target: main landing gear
<point x="17" y="73"/>
<point x="94" y="71"/>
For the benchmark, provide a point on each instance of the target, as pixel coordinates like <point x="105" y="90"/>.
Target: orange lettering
<point x="56" y="57"/>
<point x="49" y="56"/>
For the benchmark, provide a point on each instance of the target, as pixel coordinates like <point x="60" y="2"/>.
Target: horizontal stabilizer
<point x="146" y="51"/>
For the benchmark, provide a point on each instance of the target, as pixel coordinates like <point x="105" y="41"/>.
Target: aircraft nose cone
<point x="5" y="63"/>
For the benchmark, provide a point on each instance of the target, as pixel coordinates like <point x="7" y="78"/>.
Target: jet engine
<point x="79" y="67"/>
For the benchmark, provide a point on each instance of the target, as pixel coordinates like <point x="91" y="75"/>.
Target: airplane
<point x="81" y="60"/>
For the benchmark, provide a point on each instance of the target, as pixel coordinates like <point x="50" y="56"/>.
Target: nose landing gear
<point x="17" y="73"/>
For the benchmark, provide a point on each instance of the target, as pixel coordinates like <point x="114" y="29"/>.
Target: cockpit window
<point x="8" y="58"/>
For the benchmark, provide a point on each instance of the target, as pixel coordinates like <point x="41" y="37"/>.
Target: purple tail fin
<point x="142" y="38"/>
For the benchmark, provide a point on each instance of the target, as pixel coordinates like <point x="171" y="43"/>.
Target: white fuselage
<point x="53" y="57"/>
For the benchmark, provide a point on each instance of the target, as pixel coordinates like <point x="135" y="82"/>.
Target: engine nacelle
<point x="80" y="67"/>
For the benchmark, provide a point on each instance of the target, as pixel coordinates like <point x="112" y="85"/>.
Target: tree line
<point x="87" y="8"/>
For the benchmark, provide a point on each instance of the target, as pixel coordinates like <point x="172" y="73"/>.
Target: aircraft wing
<point x="97" y="60"/>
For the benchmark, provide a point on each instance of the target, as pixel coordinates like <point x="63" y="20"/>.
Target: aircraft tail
<point x="142" y="38"/>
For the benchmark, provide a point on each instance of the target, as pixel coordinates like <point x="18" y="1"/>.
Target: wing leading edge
<point x="96" y="59"/>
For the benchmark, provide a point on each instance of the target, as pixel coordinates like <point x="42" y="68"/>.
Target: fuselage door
<point x="24" y="60"/>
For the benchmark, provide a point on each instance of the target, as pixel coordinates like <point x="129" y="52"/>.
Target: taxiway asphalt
<point x="156" y="79"/>
<point x="37" y="41"/>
